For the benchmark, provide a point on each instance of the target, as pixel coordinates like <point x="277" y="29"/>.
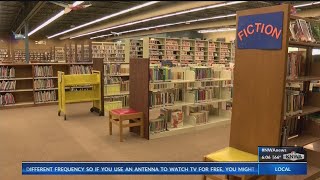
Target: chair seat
<point x="231" y="154"/>
<point x="124" y="111"/>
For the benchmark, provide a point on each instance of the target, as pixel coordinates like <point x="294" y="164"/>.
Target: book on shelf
<point x="81" y="69"/>
<point x="45" y="96"/>
<point x="112" y="80"/>
<point x="43" y="71"/>
<point x="164" y="98"/>
<point x="59" y="54"/>
<point x="6" y="72"/>
<point x="43" y="84"/>
<point x="301" y="30"/>
<point x="295" y="65"/>
<point x="114" y="69"/>
<point x="6" y="99"/>
<point x="7" y="85"/>
<point x="294" y="101"/>
<point x="124" y="99"/>
<point x="40" y="55"/>
<point x="4" y="54"/>
<point x="157" y="125"/>
<point x="201" y="117"/>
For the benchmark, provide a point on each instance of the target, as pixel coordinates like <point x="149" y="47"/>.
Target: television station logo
<point x="293" y="156"/>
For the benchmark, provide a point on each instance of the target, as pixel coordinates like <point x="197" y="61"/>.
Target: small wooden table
<point x="119" y="116"/>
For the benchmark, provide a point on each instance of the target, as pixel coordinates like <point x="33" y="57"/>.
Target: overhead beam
<point x="34" y="11"/>
<point x="178" y="6"/>
<point x="202" y="25"/>
<point x="186" y="27"/>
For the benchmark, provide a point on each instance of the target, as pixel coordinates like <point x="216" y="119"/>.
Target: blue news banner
<point x="272" y="161"/>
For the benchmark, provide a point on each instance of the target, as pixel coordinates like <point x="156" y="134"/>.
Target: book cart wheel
<point x="65" y="117"/>
<point x="91" y="109"/>
<point x="59" y="112"/>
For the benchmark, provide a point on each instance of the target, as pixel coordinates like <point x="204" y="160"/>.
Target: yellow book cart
<point x="65" y="82"/>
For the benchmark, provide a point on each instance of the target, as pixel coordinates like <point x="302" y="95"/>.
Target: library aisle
<point x="28" y="135"/>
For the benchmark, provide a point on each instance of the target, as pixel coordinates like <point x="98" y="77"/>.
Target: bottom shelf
<point x="212" y="122"/>
<point x="22" y="104"/>
<point x="302" y="140"/>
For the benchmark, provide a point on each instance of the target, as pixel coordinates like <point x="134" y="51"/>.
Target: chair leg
<point x="120" y="129"/>
<point x="110" y="124"/>
<point x="141" y="128"/>
<point x="204" y="177"/>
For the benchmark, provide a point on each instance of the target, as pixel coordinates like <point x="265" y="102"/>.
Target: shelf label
<point x="260" y="31"/>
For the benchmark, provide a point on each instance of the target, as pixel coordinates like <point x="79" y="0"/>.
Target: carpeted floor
<point x="38" y="134"/>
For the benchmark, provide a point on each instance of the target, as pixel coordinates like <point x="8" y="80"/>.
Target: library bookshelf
<point x="34" y="83"/>
<point x="115" y="71"/>
<point x="200" y="96"/>
<point x="274" y="103"/>
<point x="182" y="50"/>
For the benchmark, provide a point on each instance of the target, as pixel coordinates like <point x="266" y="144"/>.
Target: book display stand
<point x="72" y="96"/>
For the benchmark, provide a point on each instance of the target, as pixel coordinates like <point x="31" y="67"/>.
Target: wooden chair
<point x="119" y="116"/>
<point x="230" y="154"/>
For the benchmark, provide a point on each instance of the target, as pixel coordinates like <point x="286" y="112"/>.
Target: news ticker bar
<point x="163" y="168"/>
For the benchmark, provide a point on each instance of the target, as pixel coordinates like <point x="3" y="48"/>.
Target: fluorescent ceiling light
<point x="61" y="13"/>
<point x="160" y="17"/>
<point x="105" y="18"/>
<point x="166" y="25"/>
<point x="217" y="30"/>
<point x="307" y="4"/>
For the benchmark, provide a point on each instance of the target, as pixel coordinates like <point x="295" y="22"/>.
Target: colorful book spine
<point x="7" y="85"/>
<point x="43" y="71"/>
<point x="7" y="99"/>
<point x="6" y="72"/>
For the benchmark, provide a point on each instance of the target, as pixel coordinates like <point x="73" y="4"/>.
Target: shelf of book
<point x="303" y="44"/>
<point x="305" y="111"/>
<point x="118" y="94"/>
<point x="180" y="96"/>
<point x="17" y="90"/>
<point x="15" y="79"/>
<point x="304" y="78"/>
<point x="302" y="140"/>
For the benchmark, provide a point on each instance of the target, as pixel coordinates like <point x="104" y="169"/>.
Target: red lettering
<point x="245" y="33"/>
<point x="276" y="32"/>
<point x="269" y="26"/>
<point x="248" y="30"/>
<point x="262" y="29"/>
<point x="240" y="34"/>
<point x="257" y="25"/>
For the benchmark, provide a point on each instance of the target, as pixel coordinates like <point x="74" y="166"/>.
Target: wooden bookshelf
<point x="216" y="97"/>
<point x="261" y="97"/>
<point x="182" y="50"/>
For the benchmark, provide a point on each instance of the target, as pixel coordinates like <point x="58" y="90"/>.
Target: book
<point x="45" y="96"/>
<point x="295" y="65"/>
<point x="6" y="72"/>
<point x="81" y="69"/>
<point x="7" y="99"/>
<point x="7" y="85"/>
<point x="43" y="71"/>
<point x="43" y="84"/>
<point x="176" y="120"/>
